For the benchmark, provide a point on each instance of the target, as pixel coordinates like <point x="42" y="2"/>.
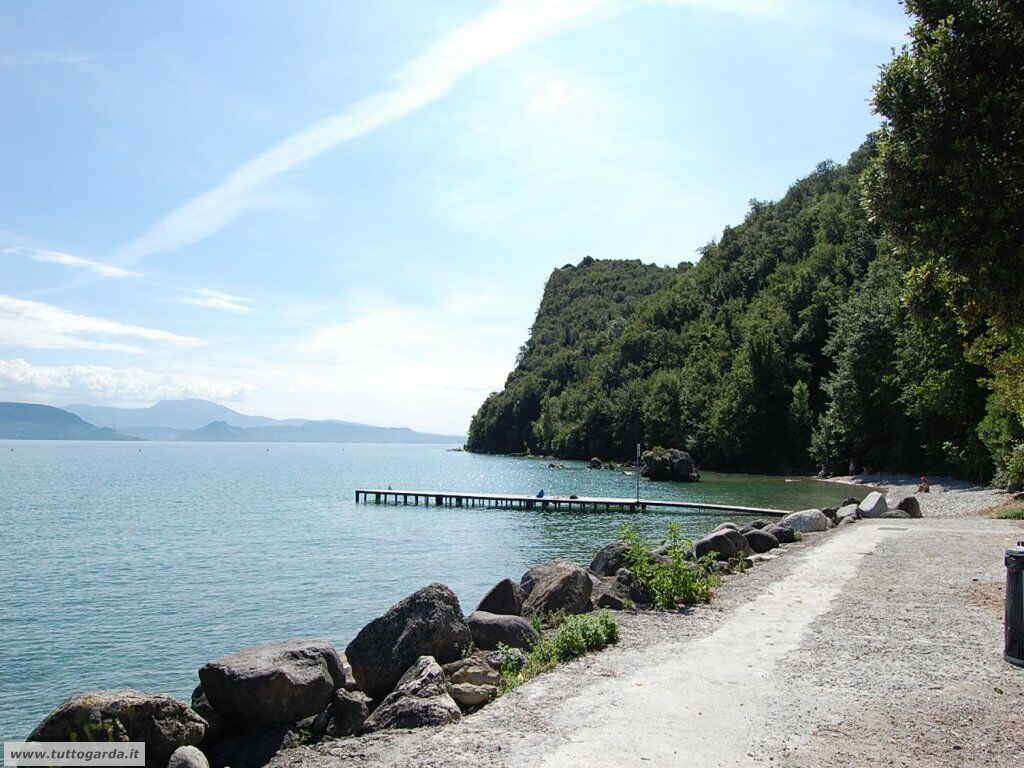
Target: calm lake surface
<point x="131" y="565"/>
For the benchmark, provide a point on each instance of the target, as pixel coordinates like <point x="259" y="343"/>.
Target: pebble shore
<point x="948" y="497"/>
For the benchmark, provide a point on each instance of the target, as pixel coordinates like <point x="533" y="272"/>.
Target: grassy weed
<point x="572" y="637"/>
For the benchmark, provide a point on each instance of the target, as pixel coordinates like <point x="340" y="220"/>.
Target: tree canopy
<point x="871" y="317"/>
<point x="947" y="189"/>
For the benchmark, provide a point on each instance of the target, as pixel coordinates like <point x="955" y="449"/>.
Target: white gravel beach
<point x="948" y="497"/>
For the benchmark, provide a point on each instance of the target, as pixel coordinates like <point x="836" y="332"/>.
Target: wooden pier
<point x="516" y="501"/>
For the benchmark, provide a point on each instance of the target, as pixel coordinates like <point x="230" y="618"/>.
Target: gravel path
<point x="877" y="644"/>
<point x="909" y="668"/>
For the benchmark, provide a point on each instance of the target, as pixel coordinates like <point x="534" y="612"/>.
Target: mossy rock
<point x="162" y="722"/>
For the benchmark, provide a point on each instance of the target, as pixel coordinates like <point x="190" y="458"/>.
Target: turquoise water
<point x="128" y="565"/>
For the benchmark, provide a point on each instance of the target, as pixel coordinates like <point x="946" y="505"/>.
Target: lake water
<point x="128" y="565"/>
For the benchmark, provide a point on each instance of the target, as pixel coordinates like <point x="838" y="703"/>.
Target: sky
<point x="341" y="209"/>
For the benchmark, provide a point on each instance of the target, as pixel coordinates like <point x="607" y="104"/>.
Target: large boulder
<point x="216" y="724"/>
<point x="252" y="747"/>
<point x="874" y="505"/>
<point x="348" y="712"/>
<point x="188" y="757"/>
<point x="505" y="597"/>
<point x="476" y="670"/>
<point x="420" y="698"/>
<point x="609" y="592"/>
<point x="428" y="622"/>
<point x="897" y="513"/>
<point x="725" y="543"/>
<point x="911" y="506"/>
<point x="782" y="533"/>
<point x="561" y="586"/>
<point x="669" y="464"/>
<point x="845" y="511"/>
<point x="473" y="682"/>
<point x="807" y="521"/>
<point x="610" y="558"/>
<point x="490" y="629"/>
<point x="761" y="541"/>
<point x="630" y="584"/>
<point x="273" y="683"/>
<point x="162" y="722"/>
<point x="542" y="571"/>
<point x="469" y="696"/>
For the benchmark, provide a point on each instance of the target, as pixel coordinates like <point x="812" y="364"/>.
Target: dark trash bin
<point x="1015" y="605"/>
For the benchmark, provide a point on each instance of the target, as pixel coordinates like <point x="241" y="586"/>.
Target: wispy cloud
<point x="106" y="384"/>
<point x="43" y="326"/>
<point x="218" y="300"/>
<point x="743" y="7"/>
<point x="57" y="257"/>
<point x="849" y="15"/>
<point x="508" y="25"/>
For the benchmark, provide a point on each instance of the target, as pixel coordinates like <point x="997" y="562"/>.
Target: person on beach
<point x="924" y="487"/>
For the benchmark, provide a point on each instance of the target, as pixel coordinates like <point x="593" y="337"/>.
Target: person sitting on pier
<point x="540" y="494"/>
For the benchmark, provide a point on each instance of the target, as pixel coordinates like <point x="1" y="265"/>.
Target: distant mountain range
<point x="27" y="421"/>
<point x="167" y="414"/>
<point x="313" y="432"/>
<point x="201" y="420"/>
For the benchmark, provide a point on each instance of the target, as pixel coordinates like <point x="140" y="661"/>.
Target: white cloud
<point x="505" y="27"/>
<point x="218" y="300"/>
<point x="421" y="344"/>
<point x="56" y="257"/>
<point x="552" y="96"/>
<point x="43" y="326"/>
<point x="742" y="7"/>
<point x="850" y="16"/>
<point x="114" y="385"/>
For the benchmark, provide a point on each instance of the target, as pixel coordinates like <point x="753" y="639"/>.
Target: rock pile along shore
<point x="421" y="663"/>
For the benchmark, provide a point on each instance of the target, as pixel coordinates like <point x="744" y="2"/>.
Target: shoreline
<point x="652" y="626"/>
<point x="948" y="497"/>
<point x="242" y="689"/>
<point x="842" y="689"/>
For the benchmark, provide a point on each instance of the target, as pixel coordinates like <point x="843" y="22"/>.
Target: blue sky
<point x="348" y="209"/>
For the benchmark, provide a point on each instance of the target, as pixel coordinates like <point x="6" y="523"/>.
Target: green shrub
<point x="573" y="637"/>
<point x="683" y="579"/>
<point x="738" y="563"/>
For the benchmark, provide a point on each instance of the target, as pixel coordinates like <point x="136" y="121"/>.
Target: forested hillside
<point x="787" y="346"/>
<point x="873" y="318"/>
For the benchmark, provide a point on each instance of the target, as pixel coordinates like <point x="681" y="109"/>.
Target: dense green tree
<point x="725" y="358"/>
<point x="948" y="180"/>
<point x="864" y="425"/>
<point x="947" y="186"/>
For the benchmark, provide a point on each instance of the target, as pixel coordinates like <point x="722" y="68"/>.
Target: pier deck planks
<point x="453" y="499"/>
